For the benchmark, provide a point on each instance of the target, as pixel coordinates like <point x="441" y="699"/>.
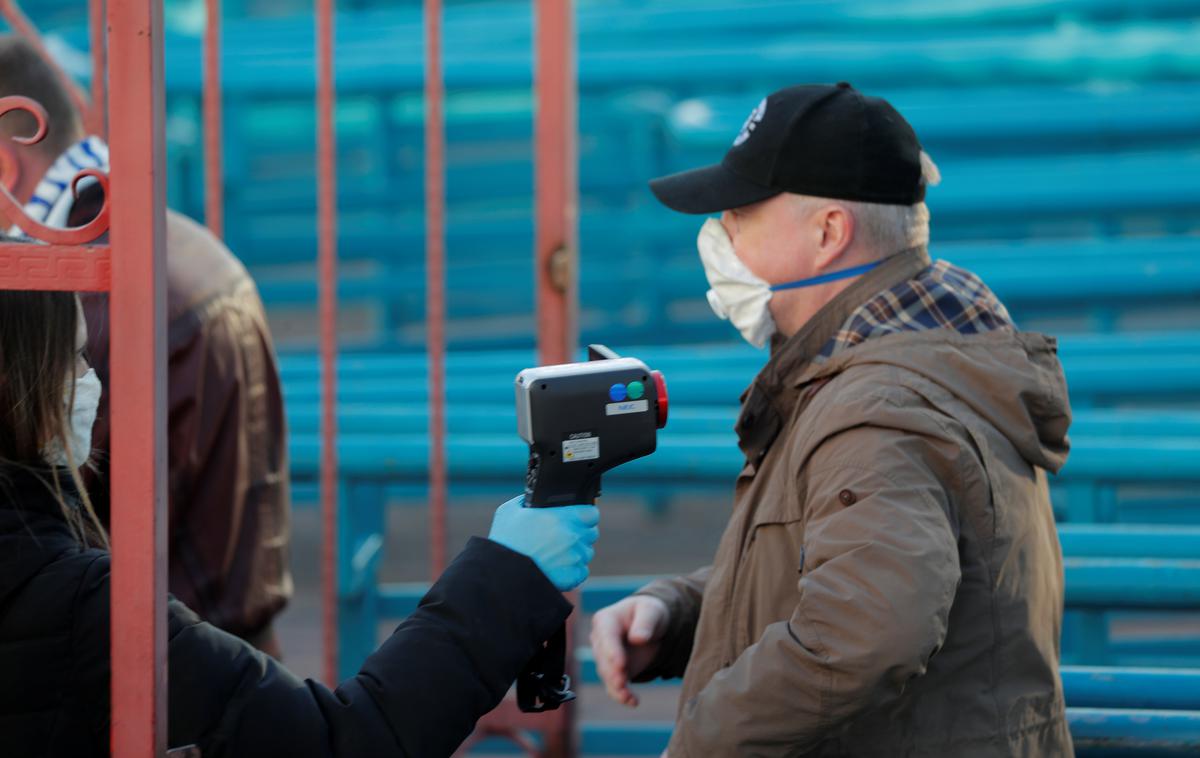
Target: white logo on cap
<point x="752" y="121"/>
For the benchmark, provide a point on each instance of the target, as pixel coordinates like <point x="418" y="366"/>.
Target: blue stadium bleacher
<point x="1061" y="100"/>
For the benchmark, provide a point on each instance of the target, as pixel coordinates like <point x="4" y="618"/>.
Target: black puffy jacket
<point x="419" y="694"/>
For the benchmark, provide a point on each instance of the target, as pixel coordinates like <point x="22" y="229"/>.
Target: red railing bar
<point x="64" y="268"/>
<point x="327" y="264"/>
<point x="555" y="239"/>
<point x="435" y="280"/>
<point x="214" y="170"/>
<point x="21" y="25"/>
<point x="137" y="311"/>
<point x="96" y="120"/>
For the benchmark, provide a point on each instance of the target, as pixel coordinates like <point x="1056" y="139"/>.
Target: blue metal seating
<point x="1101" y="370"/>
<point x="632" y="127"/>
<point x="1009" y="197"/>
<point x="1090" y="142"/>
<point x="1099" y="284"/>
<point x="380" y="50"/>
<point x="629" y="19"/>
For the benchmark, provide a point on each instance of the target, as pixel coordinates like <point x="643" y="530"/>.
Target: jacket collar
<point x="768" y="400"/>
<point x="33" y="531"/>
<point x="32" y="489"/>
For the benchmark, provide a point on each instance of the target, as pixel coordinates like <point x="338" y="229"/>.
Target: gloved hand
<point x="559" y="540"/>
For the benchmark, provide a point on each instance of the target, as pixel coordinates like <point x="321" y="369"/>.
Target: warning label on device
<point x="586" y="449"/>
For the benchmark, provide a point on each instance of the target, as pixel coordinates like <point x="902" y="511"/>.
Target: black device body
<point x="583" y="419"/>
<point x="580" y="420"/>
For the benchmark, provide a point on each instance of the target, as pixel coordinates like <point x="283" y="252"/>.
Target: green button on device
<point x="636" y="390"/>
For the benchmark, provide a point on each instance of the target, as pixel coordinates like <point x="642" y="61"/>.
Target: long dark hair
<point x="37" y="389"/>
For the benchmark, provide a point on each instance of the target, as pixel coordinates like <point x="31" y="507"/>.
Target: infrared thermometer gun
<point x="583" y="419"/>
<point x="580" y="420"/>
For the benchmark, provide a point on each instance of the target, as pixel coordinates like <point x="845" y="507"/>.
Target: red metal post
<point x="214" y="170"/>
<point x="556" y="185"/>
<point x="435" y="280"/>
<point x="138" y="404"/>
<point x="97" y="117"/>
<point x="327" y="255"/>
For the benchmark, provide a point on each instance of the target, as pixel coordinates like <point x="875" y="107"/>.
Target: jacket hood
<point x="1013" y="380"/>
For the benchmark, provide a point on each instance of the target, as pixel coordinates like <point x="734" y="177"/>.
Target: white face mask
<point x="83" y="416"/>
<point x="737" y="294"/>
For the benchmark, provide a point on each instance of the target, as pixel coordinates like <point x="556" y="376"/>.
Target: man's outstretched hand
<point x="626" y="637"/>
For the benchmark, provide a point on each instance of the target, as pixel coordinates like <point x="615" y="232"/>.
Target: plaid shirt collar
<point x="942" y="296"/>
<point x="791" y="355"/>
<point x="907" y="292"/>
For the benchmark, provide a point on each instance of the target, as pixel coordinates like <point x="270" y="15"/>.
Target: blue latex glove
<point x="559" y="540"/>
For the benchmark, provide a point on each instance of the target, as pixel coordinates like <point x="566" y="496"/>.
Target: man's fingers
<point x="614" y="684"/>
<point x="610" y="665"/>
<point x="607" y="645"/>
<point x="631" y="621"/>
<point x="615" y="690"/>
<point x="641" y="631"/>
<point x="604" y="629"/>
<point x="645" y="622"/>
<point x="622" y="695"/>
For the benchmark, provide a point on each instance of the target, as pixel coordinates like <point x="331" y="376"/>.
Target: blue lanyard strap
<point x="823" y="278"/>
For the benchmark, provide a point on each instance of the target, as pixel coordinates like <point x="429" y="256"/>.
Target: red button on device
<point x="663" y="400"/>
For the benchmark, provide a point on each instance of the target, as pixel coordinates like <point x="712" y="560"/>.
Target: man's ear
<point x="836" y="233"/>
<point x="10" y="168"/>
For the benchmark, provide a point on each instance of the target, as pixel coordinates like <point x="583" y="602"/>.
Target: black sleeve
<point x="419" y="694"/>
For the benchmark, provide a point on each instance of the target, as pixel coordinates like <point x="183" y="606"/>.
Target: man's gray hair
<point x="888" y="229"/>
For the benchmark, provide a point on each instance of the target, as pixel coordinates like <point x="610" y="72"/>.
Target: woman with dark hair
<point x="419" y="694"/>
<point x="42" y="336"/>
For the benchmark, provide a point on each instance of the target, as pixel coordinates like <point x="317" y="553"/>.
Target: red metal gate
<point x="134" y="217"/>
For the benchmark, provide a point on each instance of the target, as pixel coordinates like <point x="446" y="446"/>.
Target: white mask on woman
<point x="83" y="416"/>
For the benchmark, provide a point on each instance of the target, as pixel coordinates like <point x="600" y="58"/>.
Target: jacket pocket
<point x="767" y="586"/>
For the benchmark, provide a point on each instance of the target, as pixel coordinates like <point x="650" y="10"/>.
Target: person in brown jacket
<point x="890" y="582"/>
<point x="228" y="487"/>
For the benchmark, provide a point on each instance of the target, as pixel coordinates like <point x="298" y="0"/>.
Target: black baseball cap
<point x="812" y="139"/>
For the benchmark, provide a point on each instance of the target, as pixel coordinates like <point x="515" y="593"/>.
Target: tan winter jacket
<point x="890" y="582"/>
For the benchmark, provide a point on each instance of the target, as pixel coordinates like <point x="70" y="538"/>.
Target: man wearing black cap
<point x="890" y="582"/>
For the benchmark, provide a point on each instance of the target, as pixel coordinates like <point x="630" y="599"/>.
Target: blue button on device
<point x="617" y="393"/>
